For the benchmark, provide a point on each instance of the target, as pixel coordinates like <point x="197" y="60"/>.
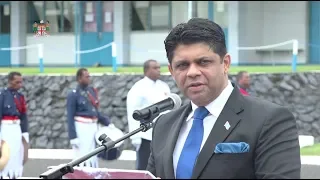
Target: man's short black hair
<point x="196" y="30"/>
<point x="80" y="73"/>
<point x="11" y="75"/>
<point x="146" y="65"/>
<point x="240" y="74"/>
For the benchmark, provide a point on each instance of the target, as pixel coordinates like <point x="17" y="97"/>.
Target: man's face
<point x="199" y="72"/>
<point x="154" y="70"/>
<point x="16" y="83"/>
<point x="85" y="78"/>
<point x="245" y="80"/>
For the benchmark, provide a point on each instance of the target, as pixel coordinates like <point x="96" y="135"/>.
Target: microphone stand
<point x="59" y="171"/>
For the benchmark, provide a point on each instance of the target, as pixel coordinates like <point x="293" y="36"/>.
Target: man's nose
<point x="193" y="71"/>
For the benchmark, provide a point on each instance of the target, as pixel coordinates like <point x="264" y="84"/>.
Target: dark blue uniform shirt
<point x="79" y="104"/>
<point x="9" y="108"/>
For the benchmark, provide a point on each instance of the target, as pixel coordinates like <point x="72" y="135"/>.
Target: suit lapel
<point x="171" y="143"/>
<point x="219" y="132"/>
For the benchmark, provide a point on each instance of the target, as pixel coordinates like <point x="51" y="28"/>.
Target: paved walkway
<point x="40" y="159"/>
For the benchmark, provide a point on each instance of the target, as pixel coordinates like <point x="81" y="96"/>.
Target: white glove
<point x="26" y="136"/>
<point x="136" y="142"/>
<point x="75" y="143"/>
<point x="111" y="125"/>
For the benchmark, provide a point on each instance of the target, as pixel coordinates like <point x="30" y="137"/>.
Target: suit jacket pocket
<point x="231" y="156"/>
<point x="229" y="166"/>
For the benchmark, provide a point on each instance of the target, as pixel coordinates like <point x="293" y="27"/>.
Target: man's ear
<point x="226" y="61"/>
<point x="170" y="69"/>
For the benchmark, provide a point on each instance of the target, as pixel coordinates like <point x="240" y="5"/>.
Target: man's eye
<point x="181" y="65"/>
<point x="204" y="62"/>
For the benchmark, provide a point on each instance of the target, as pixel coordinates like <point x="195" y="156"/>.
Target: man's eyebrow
<point x="197" y="59"/>
<point x="181" y="61"/>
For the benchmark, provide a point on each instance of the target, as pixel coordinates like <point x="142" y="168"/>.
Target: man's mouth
<point x="195" y="84"/>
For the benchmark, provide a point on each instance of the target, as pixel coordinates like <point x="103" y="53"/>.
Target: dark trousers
<point x="143" y="155"/>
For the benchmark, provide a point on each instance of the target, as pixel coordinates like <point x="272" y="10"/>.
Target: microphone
<point x="151" y="112"/>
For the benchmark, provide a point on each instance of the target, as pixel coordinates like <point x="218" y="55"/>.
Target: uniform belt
<point x="86" y="119"/>
<point x="10" y="120"/>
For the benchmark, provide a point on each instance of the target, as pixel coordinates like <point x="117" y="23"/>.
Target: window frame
<point x="149" y="26"/>
<point x="43" y="16"/>
<point x="3" y="3"/>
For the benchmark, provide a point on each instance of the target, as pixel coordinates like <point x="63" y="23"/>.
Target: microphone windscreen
<point x="176" y="99"/>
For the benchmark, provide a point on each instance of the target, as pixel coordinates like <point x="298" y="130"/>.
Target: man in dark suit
<point x="221" y="133"/>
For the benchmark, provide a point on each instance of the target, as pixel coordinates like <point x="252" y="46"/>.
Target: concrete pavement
<point x="35" y="167"/>
<point x="38" y="163"/>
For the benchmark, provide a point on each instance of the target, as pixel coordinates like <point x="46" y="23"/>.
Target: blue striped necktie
<point x="192" y="145"/>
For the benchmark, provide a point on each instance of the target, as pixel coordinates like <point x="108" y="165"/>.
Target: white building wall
<point x="260" y="23"/>
<point x="270" y="22"/>
<point x="18" y="14"/>
<point x="57" y="49"/>
<point x="148" y="45"/>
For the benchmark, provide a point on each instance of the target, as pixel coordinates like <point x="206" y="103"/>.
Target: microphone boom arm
<point x="63" y="169"/>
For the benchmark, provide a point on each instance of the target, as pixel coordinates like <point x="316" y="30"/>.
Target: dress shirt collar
<point x="216" y="106"/>
<point x="148" y="80"/>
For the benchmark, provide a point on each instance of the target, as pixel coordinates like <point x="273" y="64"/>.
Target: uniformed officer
<point x="83" y="116"/>
<point x="243" y="81"/>
<point x="143" y="93"/>
<point x="14" y="125"/>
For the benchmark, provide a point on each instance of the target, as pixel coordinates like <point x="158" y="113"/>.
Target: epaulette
<point x="72" y="92"/>
<point x="2" y="90"/>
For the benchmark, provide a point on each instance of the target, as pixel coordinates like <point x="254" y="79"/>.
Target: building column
<point x="122" y="31"/>
<point x="18" y="25"/>
<point x="233" y="31"/>
<point x="192" y="9"/>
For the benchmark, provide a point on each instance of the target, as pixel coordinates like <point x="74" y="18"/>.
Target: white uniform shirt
<point x="214" y="108"/>
<point x="144" y="93"/>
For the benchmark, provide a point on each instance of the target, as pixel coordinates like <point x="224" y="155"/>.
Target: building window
<point x="179" y="12"/>
<point x="159" y="15"/>
<point x="202" y="9"/>
<point x="97" y="16"/>
<point x="221" y="13"/>
<point x="35" y="13"/>
<point x="150" y="15"/>
<point x="5" y="18"/>
<point x="108" y="16"/>
<point x="89" y="16"/>
<point x="60" y="15"/>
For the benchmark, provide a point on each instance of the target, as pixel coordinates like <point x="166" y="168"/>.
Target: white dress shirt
<point x="214" y="108"/>
<point x="144" y="93"/>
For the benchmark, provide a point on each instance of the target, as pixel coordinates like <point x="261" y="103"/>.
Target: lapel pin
<point x="227" y="125"/>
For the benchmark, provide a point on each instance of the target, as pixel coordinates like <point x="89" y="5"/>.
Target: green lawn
<point x="310" y="150"/>
<point x="233" y="69"/>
